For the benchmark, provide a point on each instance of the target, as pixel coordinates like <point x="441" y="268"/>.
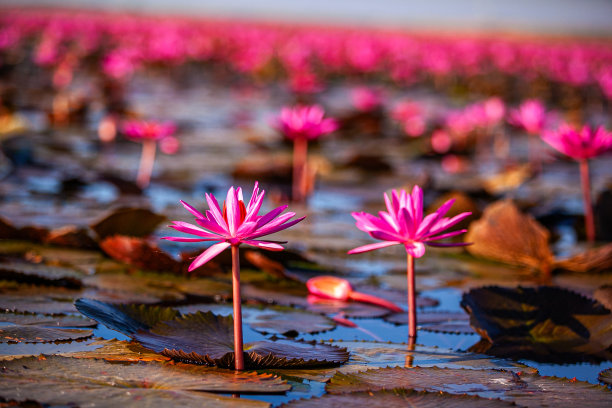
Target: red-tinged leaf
<point x="139" y="253"/>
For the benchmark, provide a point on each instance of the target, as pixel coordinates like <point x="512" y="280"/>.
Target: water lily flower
<point x="403" y="224"/>
<point x="150" y="133"/>
<point x="366" y="99"/>
<point x="530" y="115"/>
<point x="301" y="124"/>
<point x="582" y="145"/>
<point x="231" y="226"/>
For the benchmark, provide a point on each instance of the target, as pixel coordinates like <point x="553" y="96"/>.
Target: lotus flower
<point x="404" y="224"/>
<point x="530" y="115"/>
<point x="582" y="145"/>
<point x="150" y="133"/>
<point x="236" y="224"/>
<point x="301" y="124"/>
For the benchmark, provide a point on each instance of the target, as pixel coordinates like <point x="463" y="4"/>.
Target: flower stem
<point x="238" y="347"/>
<point x="147" y="159"/>
<point x="300" y="156"/>
<point x="589" y="219"/>
<point x="412" y="322"/>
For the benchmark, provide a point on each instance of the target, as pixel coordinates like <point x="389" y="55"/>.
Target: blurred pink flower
<point x="304" y="122"/>
<point x="234" y="225"/>
<point x="530" y="115"/>
<point x="579" y="144"/>
<point x="366" y="99"/>
<point x="404" y="224"/>
<point x="411" y="117"/>
<point x="148" y="130"/>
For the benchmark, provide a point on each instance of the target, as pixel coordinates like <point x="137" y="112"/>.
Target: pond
<point x="95" y="307"/>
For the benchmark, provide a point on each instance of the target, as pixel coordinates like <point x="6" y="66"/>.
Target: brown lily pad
<point x="592" y="260"/>
<point x="45" y="320"/>
<point x="117" y="350"/>
<point x="40" y="274"/>
<point x="545" y="323"/>
<point x="71" y="236"/>
<point x="606" y="376"/>
<point x="504" y="234"/>
<point x="448" y="322"/>
<point x="35" y="334"/>
<point x="139" y="253"/>
<point x="397" y="398"/>
<point x="133" y="222"/>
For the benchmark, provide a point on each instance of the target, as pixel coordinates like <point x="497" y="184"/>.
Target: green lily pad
<point x="40" y="274"/>
<point x="546" y="323"/>
<point x="606" y="376"/>
<point x="205" y="338"/>
<point x="133" y="222"/>
<point x="56" y="380"/>
<point x="35" y="334"/>
<point x="397" y="398"/>
<point x="38" y="319"/>
<point x="272" y="320"/>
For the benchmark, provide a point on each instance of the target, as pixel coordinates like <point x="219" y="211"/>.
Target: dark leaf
<point x="133" y="222"/>
<point x="397" y="398"/>
<point x="449" y="322"/>
<point x="45" y="320"/>
<point x="40" y="274"/>
<point x="541" y="323"/>
<point x="71" y="236"/>
<point x="606" y="376"/>
<point x="34" y="334"/>
<point x="504" y="234"/>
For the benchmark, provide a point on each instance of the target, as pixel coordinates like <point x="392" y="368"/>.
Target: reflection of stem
<point x="238" y="348"/>
<point x="300" y="156"/>
<point x="586" y="197"/>
<point x="147" y="159"/>
<point x="412" y="323"/>
<point x="410" y="356"/>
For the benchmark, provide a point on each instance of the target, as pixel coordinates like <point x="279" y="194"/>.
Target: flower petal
<point x="192" y="210"/>
<point x="416" y="249"/>
<point x="372" y="247"/>
<point x="185" y="239"/>
<point x="209" y="254"/>
<point x="268" y="245"/>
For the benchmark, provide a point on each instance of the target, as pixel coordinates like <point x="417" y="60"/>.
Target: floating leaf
<point x="545" y="323"/>
<point x="40" y="274"/>
<point x="205" y="338"/>
<point x="592" y="260"/>
<point x="39" y="299"/>
<point x="35" y="334"/>
<point x="55" y="380"/>
<point x="138" y="252"/>
<point x="504" y="234"/>
<point x="133" y="222"/>
<point x="507" y="180"/>
<point x="45" y="320"/>
<point x="397" y="398"/>
<point x="426" y="318"/>
<point x="135" y="286"/>
<point x="606" y="376"/>
<point x="117" y="350"/>
<point x="71" y="236"/>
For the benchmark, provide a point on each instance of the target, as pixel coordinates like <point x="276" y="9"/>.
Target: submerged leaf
<point x="58" y="380"/>
<point x="133" y="222"/>
<point x="34" y="334"/>
<point x="397" y="398"/>
<point x="205" y="338"/>
<point x="545" y="323"/>
<point x="504" y="234"/>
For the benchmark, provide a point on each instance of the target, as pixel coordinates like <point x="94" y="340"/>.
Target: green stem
<point x="238" y="347"/>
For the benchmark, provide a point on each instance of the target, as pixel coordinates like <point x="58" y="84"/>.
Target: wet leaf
<point x="450" y="322"/>
<point x="592" y="260"/>
<point x="205" y="338"/>
<point x="504" y="234"/>
<point x="508" y="180"/>
<point x="137" y="286"/>
<point x="40" y="274"/>
<point x="539" y="323"/>
<point x="397" y="398"/>
<point x="133" y="222"/>
<point x="58" y="380"/>
<point x="139" y="253"/>
<point x="604" y="296"/>
<point x="606" y="376"/>
<point x="71" y="236"/>
<point x="117" y="350"/>
<point x="39" y="299"/>
<point x="35" y="334"/>
<point x="455" y="381"/>
<point x="45" y="320"/>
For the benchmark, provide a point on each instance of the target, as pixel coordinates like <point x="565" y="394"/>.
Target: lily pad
<point x="56" y="380"/>
<point x="428" y="318"/>
<point x="139" y="253"/>
<point x="606" y="376"/>
<point x="135" y="286"/>
<point x="118" y="350"/>
<point x="505" y="234"/>
<point x="34" y="334"/>
<point x="71" y="236"/>
<point x="133" y="222"/>
<point x="397" y="398"/>
<point x="205" y="338"/>
<point x="45" y="320"/>
<point x="545" y="323"/>
<point x="592" y="260"/>
<point x="40" y="274"/>
<point x="39" y="299"/>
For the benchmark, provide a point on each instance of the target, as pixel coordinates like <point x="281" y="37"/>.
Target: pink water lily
<point x="404" y="224"/>
<point x="233" y="225"/>
<point x="582" y="145"/>
<point x="530" y="115"/>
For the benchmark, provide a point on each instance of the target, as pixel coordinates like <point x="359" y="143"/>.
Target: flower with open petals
<point x="579" y="144"/>
<point x="304" y="122"/>
<point x="236" y="224"/>
<point x="148" y="129"/>
<point x="404" y="224"/>
<point x="530" y="115"/>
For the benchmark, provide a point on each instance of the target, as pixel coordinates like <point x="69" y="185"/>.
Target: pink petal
<point x="268" y="245"/>
<point x="272" y="229"/>
<point x="372" y="247"/>
<point x="215" y="211"/>
<point x="209" y="254"/>
<point x="233" y="211"/>
<point x="271" y="215"/>
<point x="192" y="210"/>
<point x="448" y="244"/>
<point x="416" y="249"/>
<point x="210" y="224"/>
<point x="192" y="229"/>
<point x="447" y="235"/>
<point x="183" y="239"/>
